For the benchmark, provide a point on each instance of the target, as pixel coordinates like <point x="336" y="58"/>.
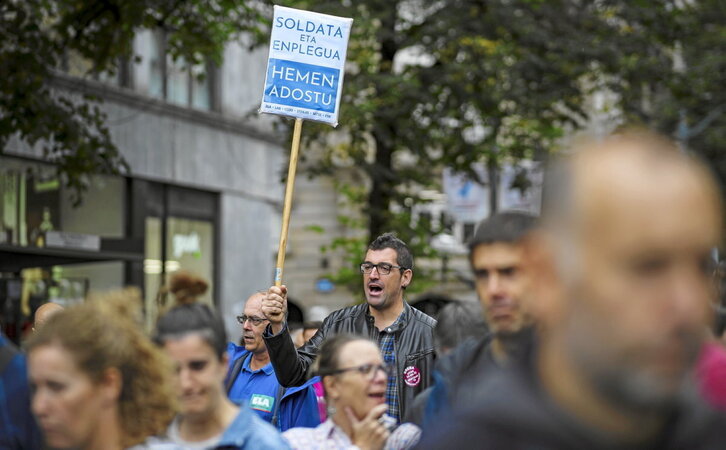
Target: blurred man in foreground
<point x="622" y="278"/>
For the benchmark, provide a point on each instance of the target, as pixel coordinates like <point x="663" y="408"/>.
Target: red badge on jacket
<point x="412" y="376"/>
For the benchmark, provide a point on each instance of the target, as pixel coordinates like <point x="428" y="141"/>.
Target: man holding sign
<point x="404" y="334"/>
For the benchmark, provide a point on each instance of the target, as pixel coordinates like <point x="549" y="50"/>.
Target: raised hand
<point x="274" y="307"/>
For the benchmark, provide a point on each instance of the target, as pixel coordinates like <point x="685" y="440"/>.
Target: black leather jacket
<point x="414" y="348"/>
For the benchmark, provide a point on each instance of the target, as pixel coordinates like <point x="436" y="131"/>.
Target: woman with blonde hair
<point x="194" y="337"/>
<point x="98" y="382"/>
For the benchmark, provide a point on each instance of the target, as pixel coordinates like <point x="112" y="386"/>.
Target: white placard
<point x="306" y="65"/>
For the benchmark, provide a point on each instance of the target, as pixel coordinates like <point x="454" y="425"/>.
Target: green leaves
<point x="436" y="84"/>
<point x="38" y="37"/>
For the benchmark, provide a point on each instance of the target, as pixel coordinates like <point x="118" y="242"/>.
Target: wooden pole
<point x="287" y="206"/>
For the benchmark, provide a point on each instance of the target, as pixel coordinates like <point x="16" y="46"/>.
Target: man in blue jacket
<point x="251" y="378"/>
<point x="18" y="429"/>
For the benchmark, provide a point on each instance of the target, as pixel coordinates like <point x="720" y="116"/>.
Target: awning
<point x="14" y="258"/>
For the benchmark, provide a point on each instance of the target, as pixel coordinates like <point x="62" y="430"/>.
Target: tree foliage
<point x="429" y="84"/>
<point x="38" y="36"/>
<point x="678" y="86"/>
<point x="436" y="83"/>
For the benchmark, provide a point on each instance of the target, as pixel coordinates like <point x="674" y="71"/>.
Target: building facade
<point x="204" y="191"/>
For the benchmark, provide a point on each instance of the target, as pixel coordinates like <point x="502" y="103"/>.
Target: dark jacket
<point x="509" y="409"/>
<point x="414" y="348"/>
<point x="464" y="367"/>
<point x="470" y="357"/>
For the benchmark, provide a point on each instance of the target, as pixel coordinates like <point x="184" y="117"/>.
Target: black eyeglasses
<point x="383" y="268"/>
<point x="367" y="370"/>
<point x="255" y="320"/>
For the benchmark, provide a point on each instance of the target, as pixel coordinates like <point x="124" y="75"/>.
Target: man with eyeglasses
<point x="251" y="378"/>
<point x="404" y="334"/>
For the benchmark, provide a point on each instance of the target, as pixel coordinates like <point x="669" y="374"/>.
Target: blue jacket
<point x="259" y="389"/>
<point x="18" y="429"/>
<point x="248" y="432"/>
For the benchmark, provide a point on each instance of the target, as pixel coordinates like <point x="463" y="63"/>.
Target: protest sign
<point x="304" y="80"/>
<point x="306" y="65"/>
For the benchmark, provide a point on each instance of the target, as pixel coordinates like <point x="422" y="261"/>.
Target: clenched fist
<point x="274" y="307"/>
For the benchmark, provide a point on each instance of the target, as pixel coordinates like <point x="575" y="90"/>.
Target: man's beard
<point x="629" y="383"/>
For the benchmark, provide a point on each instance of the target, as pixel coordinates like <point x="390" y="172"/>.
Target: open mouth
<point x="375" y="289"/>
<point x="377" y="395"/>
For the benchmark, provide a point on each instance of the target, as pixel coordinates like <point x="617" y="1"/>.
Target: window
<point x="76" y="65"/>
<point x="176" y="82"/>
<point x="34" y="269"/>
<point x="179" y="230"/>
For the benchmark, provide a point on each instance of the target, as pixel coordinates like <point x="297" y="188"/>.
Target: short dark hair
<point x="194" y="318"/>
<point x="458" y="321"/>
<point x="508" y="226"/>
<point x="404" y="258"/>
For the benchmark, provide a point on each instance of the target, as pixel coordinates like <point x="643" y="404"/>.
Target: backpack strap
<point x="233" y="374"/>
<point x="276" y="409"/>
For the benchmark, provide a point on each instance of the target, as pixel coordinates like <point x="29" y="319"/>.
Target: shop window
<point x="179" y="230"/>
<point x="189" y="246"/>
<point x="33" y="205"/>
<point x="33" y="202"/>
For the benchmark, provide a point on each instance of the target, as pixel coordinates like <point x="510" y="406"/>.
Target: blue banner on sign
<point x="301" y="85"/>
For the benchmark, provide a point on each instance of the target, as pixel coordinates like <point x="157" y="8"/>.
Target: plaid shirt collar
<point x="397" y="325"/>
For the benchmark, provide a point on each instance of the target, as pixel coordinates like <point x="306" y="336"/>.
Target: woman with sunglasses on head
<point x="355" y="379"/>
<point x="194" y="337"/>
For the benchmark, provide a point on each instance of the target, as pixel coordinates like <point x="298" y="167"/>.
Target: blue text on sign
<point x="302" y="85"/>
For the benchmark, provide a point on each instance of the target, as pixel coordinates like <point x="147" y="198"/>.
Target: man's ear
<point x="545" y="291"/>
<point x="406" y="278"/>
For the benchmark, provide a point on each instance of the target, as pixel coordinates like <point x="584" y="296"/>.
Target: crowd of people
<point x="595" y="328"/>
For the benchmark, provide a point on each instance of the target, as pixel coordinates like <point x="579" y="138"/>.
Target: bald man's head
<point x="43" y="313"/>
<point x="253" y="324"/>
<point x="631" y="231"/>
